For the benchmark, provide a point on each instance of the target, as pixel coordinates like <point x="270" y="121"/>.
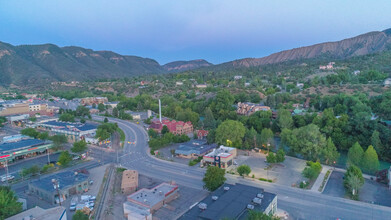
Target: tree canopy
<point x="9" y="205"/>
<point x="214" y="178"/>
<point x="230" y="132"/>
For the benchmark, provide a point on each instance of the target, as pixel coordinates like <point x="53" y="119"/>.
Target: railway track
<point x="100" y="207"/>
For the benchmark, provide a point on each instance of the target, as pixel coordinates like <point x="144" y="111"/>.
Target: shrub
<point x="312" y="170"/>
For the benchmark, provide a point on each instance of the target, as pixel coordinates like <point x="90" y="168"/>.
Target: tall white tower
<point x="160" y="111"/>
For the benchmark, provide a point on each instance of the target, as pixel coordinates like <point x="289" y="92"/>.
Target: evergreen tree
<point x="355" y="155"/>
<point x="376" y="142"/>
<point x="9" y="205"/>
<point x="370" y="161"/>
<point x="330" y="153"/>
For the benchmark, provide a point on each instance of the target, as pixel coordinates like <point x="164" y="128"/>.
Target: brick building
<point x="175" y="127"/>
<point x="129" y="181"/>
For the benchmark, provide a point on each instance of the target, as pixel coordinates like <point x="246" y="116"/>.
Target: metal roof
<point x="20" y="144"/>
<point x="66" y="179"/>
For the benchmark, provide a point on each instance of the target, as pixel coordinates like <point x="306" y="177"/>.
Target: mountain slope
<point x="178" y="66"/>
<point x="368" y="43"/>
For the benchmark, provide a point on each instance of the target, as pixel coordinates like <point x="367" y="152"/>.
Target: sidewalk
<point x="319" y="180"/>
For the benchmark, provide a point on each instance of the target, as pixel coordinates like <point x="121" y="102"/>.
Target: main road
<point x="300" y="204"/>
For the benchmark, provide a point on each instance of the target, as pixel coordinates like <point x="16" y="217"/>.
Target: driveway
<point x="335" y="186"/>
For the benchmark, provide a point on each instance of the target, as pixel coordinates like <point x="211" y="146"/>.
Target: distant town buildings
<point x="233" y="202"/>
<point x="22" y="107"/>
<point x="222" y="157"/>
<point x="248" y="108"/>
<point x="93" y="100"/>
<point x="68" y="183"/>
<point x="143" y="203"/>
<point x="329" y="66"/>
<point x="129" y="181"/>
<point x="175" y="127"/>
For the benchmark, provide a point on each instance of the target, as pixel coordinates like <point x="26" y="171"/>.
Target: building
<point x="238" y="77"/>
<point x="58" y="212"/>
<point x="22" y="107"/>
<point x="233" y="202"/>
<point x="23" y="148"/>
<point x="73" y="131"/>
<point x="112" y="104"/>
<point x="129" y="181"/>
<point x="69" y="183"/>
<point x="175" y="127"/>
<point x="329" y="66"/>
<point x="179" y="83"/>
<point x="222" y="157"/>
<point x="145" y="201"/>
<point x="387" y="82"/>
<point x="300" y="85"/>
<point x="201" y="86"/>
<point x="194" y="149"/>
<point x="14" y="138"/>
<point x="202" y="134"/>
<point x="18" y="120"/>
<point x="248" y="108"/>
<point x="93" y="100"/>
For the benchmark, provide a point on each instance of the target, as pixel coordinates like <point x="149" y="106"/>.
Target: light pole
<point x="56" y="186"/>
<point x="6" y="170"/>
<point x="47" y="151"/>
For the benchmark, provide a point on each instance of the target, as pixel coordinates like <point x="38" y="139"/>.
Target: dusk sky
<point x="171" y="30"/>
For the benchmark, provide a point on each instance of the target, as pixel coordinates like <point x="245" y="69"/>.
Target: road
<point x="300" y="204"/>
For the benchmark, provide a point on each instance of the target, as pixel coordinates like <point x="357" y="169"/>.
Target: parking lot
<point x="167" y="155"/>
<point x="287" y="173"/>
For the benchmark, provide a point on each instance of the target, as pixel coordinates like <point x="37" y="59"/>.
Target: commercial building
<point x="233" y="202"/>
<point x="93" y="100"/>
<point x="68" y="183"/>
<point x="248" y="108"/>
<point x="58" y="212"/>
<point x="202" y="134"/>
<point x="16" y="149"/>
<point x="147" y="201"/>
<point x="23" y="107"/>
<point x="194" y="149"/>
<point x="74" y="131"/>
<point x="129" y="181"/>
<point x="222" y="157"/>
<point x="175" y="127"/>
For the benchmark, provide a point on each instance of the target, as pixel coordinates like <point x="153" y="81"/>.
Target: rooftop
<point x="150" y="197"/>
<point x="67" y="125"/>
<point x="25" y="143"/>
<point x="194" y="147"/>
<point x="40" y="213"/>
<point x="230" y="203"/>
<point x="66" y="179"/>
<point x="129" y="178"/>
<point x="222" y="151"/>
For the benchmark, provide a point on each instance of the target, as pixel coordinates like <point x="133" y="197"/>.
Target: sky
<point x="170" y="30"/>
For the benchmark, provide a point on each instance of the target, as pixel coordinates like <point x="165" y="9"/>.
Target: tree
<point x="82" y="111"/>
<point x="209" y="121"/>
<point x="353" y="180"/>
<point x="280" y="156"/>
<point x="101" y="107"/>
<point x="165" y="130"/>
<point x="312" y="170"/>
<point x="244" y="170"/>
<point x="9" y="205"/>
<point x="82" y="120"/>
<point x="67" y="117"/>
<point x="64" y="158"/>
<point x="271" y="158"/>
<point x="79" y="146"/>
<point x="376" y="142"/>
<point x="93" y="105"/>
<point x="330" y="153"/>
<point x="79" y="215"/>
<point x="266" y="136"/>
<point x="250" y="139"/>
<point x="106" y="120"/>
<point x="214" y="178"/>
<point x="370" y="162"/>
<point x="355" y="155"/>
<point x="115" y="112"/>
<point x="284" y="119"/>
<point x="43" y="136"/>
<point x="58" y="140"/>
<point x="258" y="215"/>
<point x="152" y="133"/>
<point x="31" y="132"/>
<point x="230" y="131"/>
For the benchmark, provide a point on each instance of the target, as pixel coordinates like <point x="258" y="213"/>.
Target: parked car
<point x="7" y="177"/>
<point x="72" y="207"/>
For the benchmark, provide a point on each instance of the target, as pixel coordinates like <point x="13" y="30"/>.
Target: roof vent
<point x="214" y="198"/>
<point x="260" y="195"/>
<point x="202" y="206"/>
<point x="257" y="200"/>
<point x="226" y="188"/>
<point x="249" y="206"/>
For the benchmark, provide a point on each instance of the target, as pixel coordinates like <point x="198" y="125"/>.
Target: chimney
<point x="160" y="111"/>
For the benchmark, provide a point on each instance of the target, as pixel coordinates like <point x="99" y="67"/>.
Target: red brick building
<point x="175" y="127"/>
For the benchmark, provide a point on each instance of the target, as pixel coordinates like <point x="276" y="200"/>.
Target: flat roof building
<point x="233" y="202"/>
<point x="69" y="183"/>
<point x="129" y="181"/>
<point x="194" y="148"/>
<point x="74" y="131"/>
<point x="222" y="157"/>
<point x="23" y="148"/>
<point x="37" y="212"/>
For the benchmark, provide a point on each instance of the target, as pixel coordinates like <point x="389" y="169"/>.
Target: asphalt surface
<point x="300" y="204"/>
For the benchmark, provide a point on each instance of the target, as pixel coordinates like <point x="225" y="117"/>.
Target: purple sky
<point x="170" y="30"/>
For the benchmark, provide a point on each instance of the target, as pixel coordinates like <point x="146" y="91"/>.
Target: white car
<point x="7" y="177"/>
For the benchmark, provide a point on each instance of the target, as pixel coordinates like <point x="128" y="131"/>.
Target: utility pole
<point x="47" y="151"/>
<point x="56" y="185"/>
<point x="6" y="170"/>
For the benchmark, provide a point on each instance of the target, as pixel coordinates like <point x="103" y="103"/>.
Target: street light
<point x="56" y="185"/>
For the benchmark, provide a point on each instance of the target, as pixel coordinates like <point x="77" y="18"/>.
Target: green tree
<point x="64" y="158"/>
<point x="82" y="120"/>
<point x="230" y="132"/>
<point x="58" y="140"/>
<point x="82" y="111"/>
<point x="355" y="155"/>
<point x="250" y="139"/>
<point x="271" y="157"/>
<point x="30" y="132"/>
<point x="312" y="170"/>
<point x="33" y="119"/>
<point x="267" y="137"/>
<point x="165" y="130"/>
<point x="9" y="205"/>
<point x="93" y="105"/>
<point x="284" y="119"/>
<point x="258" y="215"/>
<point x="79" y="146"/>
<point x="353" y="180"/>
<point x="330" y="153"/>
<point x="280" y="156"/>
<point x="67" y="117"/>
<point x="209" y="121"/>
<point x="115" y="112"/>
<point x="370" y="162"/>
<point x="376" y="142"/>
<point x="214" y="178"/>
<point x="43" y="136"/>
<point x="244" y="170"/>
<point x="101" y="107"/>
<point x="106" y="120"/>
<point x="79" y="215"/>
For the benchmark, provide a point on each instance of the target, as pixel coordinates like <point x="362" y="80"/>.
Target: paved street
<point x="299" y="203"/>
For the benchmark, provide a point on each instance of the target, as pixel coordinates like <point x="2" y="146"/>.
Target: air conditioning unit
<point x="249" y="206"/>
<point x="214" y="198"/>
<point x="260" y="195"/>
<point x="202" y="206"/>
<point x="226" y="188"/>
<point x="257" y="200"/>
